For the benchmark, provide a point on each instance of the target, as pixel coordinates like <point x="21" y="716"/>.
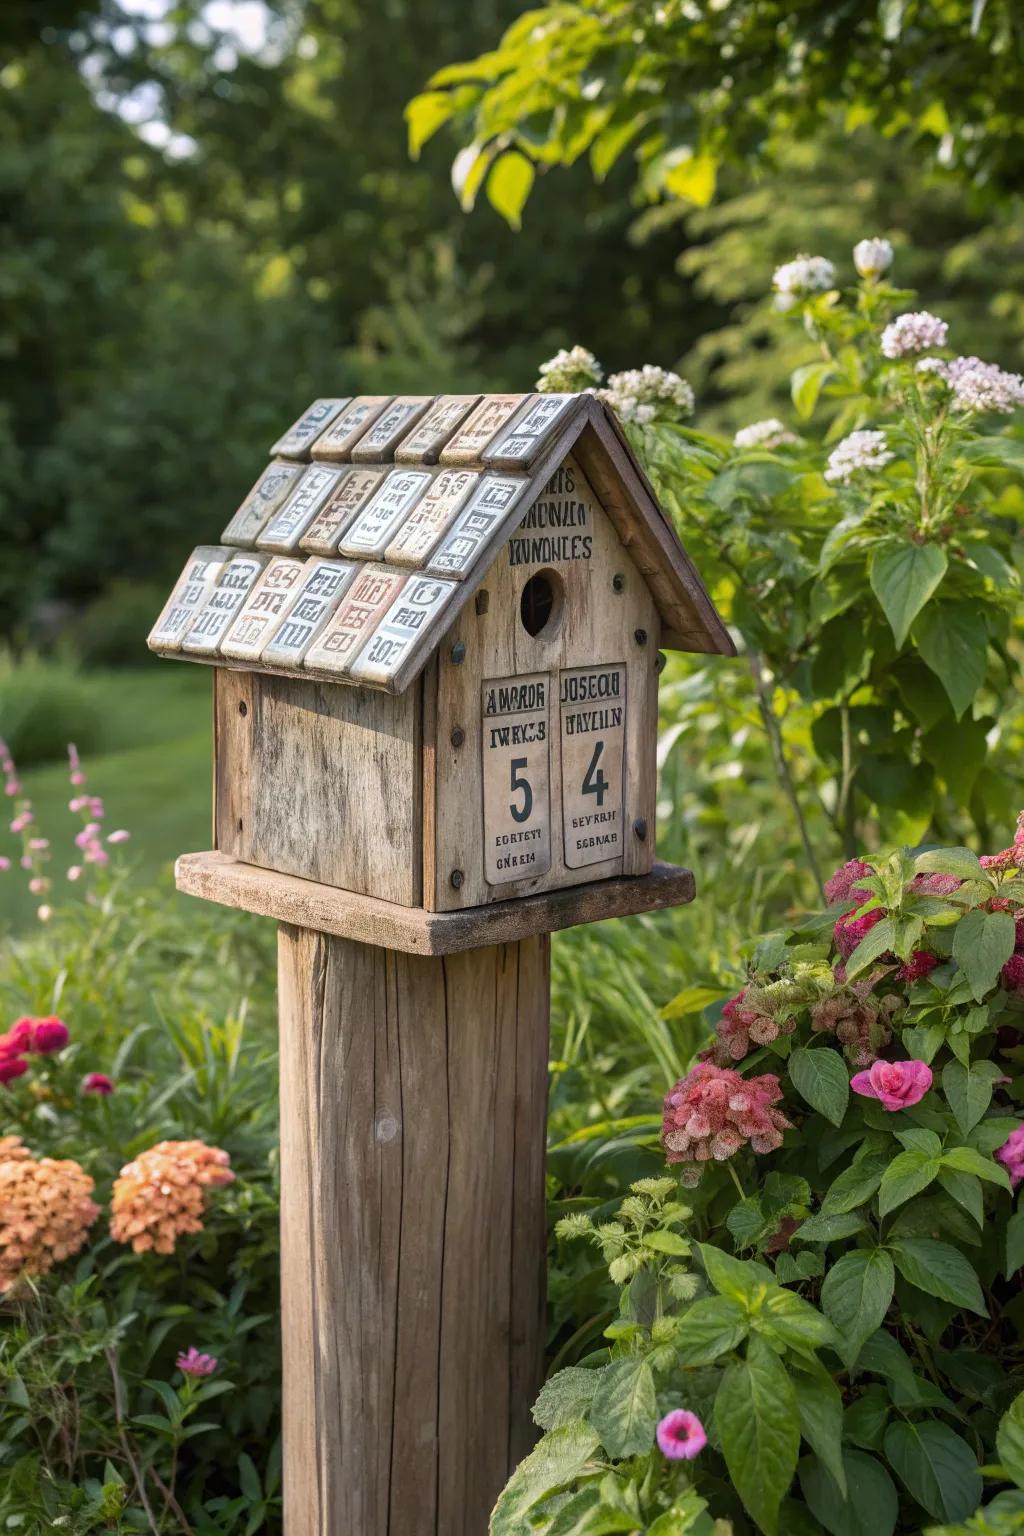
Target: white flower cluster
<point x="763" y="434"/>
<point x="861" y="450"/>
<point x="648" y="394"/>
<point x="799" y="278"/>
<point x="978" y="386"/>
<point x="568" y="371"/>
<point x="917" y="332"/>
<point x="872" y="257"/>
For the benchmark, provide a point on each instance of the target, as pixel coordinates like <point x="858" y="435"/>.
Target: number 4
<point x="595" y="783"/>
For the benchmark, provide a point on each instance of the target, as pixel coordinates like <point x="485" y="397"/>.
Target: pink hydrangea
<point x="849" y="930"/>
<point x="1011" y="1155"/>
<point x="843" y="884"/>
<point x="681" y="1435"/>
<point x="895" y="1084"/>
<point x="712" y="1112"/>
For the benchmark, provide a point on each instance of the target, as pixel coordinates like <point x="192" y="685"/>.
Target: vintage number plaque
<point x="214" y="619"/>
<point x="345" y="633"/>
<point x="324" y="584"/>
<point x="477" y="525"/>
<point x="592" y="711"/>
<point x="515" y="722"/>
<point x="368" y="537"/>
<point x="195" y="584"/>
<point x="345" y="430"/>
<point x="303" y="433"/>
<point x="427" y="522"/>
<point x="348" y="498"/>
<point x="406" y="627"/>
<point x="426" y="440"/>
<point x="486" y="421"/>
<point x="276" y="482"/>
<point x="268" y="602"/>
<point x="283" y="532"/>
<point x="527" y="435"/>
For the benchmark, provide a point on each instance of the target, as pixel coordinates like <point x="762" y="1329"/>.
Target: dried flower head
<point x="649" y="394"/>
<point x="161" y="1195"/>
<point x="859" y="1021"/>
<point x="860" y="450"/>
<point x="913" y="333"/>
<point x="770" y="433"/>
<point x="872" y="258"/>
<point x="45" y="1211"/>
<point x="568" y="371"/>
<point x="712" y="1112"/>
<point x="756" y="1016"/>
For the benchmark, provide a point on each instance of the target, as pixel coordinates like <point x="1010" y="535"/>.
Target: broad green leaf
<point x="556" y="1460"/>
<point x="965" y="1189"/>
<point x="828" y="1229"/>
<point x="936" y="1466"/>
<point x="624" y="1410"/>
<point x="903" y="577"/>
<point x="566" y="1398"/>
<point x="469" y="168"/>
<point x="950" y="861"/>
<point x="509" y="185"/>
<point x="907" y="1175"/>
<point x="953" y="641"/>
<point x="855" y="1186"/>
<point x="820" y="1405"/>
<point x="968" y="1091"/>
<point x="856" y="1296"/>
<point x="970" y="1160"/>
<point x="821" y="1077"/>
<point x="424" y="115"/>
<point x="791" y="1320"/>
<point x="1014" y="1244"/>
<point x="1010" y="1440"/>
<point x="982" y="944"/>
<point x="667" y="1242"/>
<point x="873" y="1509"/>
<point x="939" y="1270"/>
<point x="874" y="943"/>
<point x="710" y="1328"/>
<point x="588" y="1515"/>
<point x="742" y="1279"/>
<point x="806" y="385"/>
<point x="759" y="1429"/>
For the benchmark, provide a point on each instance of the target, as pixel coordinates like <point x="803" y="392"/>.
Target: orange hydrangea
<point x="162" y="1194"/>
<point x="45" y="1211"/>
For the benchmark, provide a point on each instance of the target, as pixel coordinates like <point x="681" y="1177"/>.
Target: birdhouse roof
<point x="377" y="519"/>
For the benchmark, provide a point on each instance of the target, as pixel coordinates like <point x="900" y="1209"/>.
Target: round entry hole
<point x="540" y="606"/>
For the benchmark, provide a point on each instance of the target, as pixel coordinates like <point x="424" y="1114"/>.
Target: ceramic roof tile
<point x="490" y="416"/>
<point x="368" y="536"/>
<point x="424" y="443"/>
<point x="390" y="427"/>
<point x="196" y="583"/>
<point x="267" y="495"/>
<point x="323" y="585"/>
<point x="214" y="618"/>
<point x="348" y="498"/>
<point x="529" y="433"/>
<point x="289" y="523"/>
<point x="346" y="633"/>
<point x="303" y="433"/>
<point x="348" y="427"/>
<point x="424" y="526"/>
<point x="271" y="599"/>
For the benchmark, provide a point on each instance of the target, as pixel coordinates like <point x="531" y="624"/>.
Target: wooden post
<point x="413" y="1105"/>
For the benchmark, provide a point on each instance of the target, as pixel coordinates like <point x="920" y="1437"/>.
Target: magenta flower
<point x="195" y="1364"/>
<point x="49" y="1035"/>
<point x="12" y="1067"/>
<point x="1011" y="1155"/>
<point x="681" y="1435"/>
<point x="849" y="930"/>
<point x="895" y="1084"/>
<point x="1013" y="973"/>
<point x="5" y="863"/>
<point x="97" y="1082"/>
<point x="843" y="884"/>
<point x="921" y="963"/>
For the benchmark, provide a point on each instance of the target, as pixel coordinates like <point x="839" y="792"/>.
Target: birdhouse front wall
<point x="542" y="770"/>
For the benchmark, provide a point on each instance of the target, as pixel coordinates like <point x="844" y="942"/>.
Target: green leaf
<point x="693" y="178"/>
<point x="821" y="1077"/>
<point x="711" y="1327"/>
<point x="566" y="1398"/>
<point x="667" y="1242"/>
<point x="758" y="1425"/>
<point x="424" y="115"/>
<point x="936" y="1466"/>
<point x="856" y="1295"/>
<point x="557" y="1459"/>
<point x="742" y="1279"/>
<point x="791" y="1320"/>
<point x="1010" y="1440"/>
<point x="953" y="641"/>
<point x="950" y="861"/>
<point x="903" y="577"/>
<point x="940" y="1270"/>
<point x="965" y="1189"/>
<point x="625" y="1410"/>
<point x="968" y="1091"/>
<point x="249" y="1479"/>
<point x="509" y="185"/>
<point x="1014" y="1244"/>
<point x="907" y="1175"/>
<point x="691" y="1000"/>
<point x="982" y="944"/>
<point x="970" y="1160"/>
<point x="820" y="1404"/>
<point x="828" y="1229"/>
<point x="873" y="1509"/>
<point x="855" y="1186"/>
<point x="806" y="385"/>
<point x="874" y="943"/>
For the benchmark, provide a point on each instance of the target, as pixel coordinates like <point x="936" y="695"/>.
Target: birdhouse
<point x="436" y="626"/>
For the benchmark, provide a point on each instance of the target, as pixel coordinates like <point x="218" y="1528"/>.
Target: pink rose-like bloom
<point x="681" y="1435"/>
<point x="849" y="930"/>
<point x="49" y="1035"/>
<point x="97" y="1082"/>
<point x="195" y="1364"/>
<point x="895" y="1084"/>
<point x="712" y="1112"/>
<point x="843" y="884"/>
<point x="1011" y="1155"/>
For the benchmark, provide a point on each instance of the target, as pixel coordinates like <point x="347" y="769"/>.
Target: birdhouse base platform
<point x="216" y="877"/>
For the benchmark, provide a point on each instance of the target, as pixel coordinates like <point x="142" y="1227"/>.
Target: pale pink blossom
<point x="44" y="913"/>
<point x="681" y="1435"/>
<point x="5" y="863"/>
<point x="75" y="872"/>
<point x="120" y="836"/>
<point x="917" y="332"/>
<point x="895" y="1084"/>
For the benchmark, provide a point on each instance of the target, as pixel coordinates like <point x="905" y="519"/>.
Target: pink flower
<point x="681" y="1435"/>
<point x="843" y="884"/>
<point x="1013" y="973"/>
<point x="849" y="930"/>
<point x="712" y="1112"/>
<point x="97" y="1082"/>
<point x="12" y="787"/>
<point x="18" y="1038"/>
<point x="1011" y="1155"/>
<point x="94" y="854"/>
<point x="75" y="872"/>
<point x="120" y="836"/>
<point x="78" y="779"/>
<point x="49" y="1035"/>
<point x="935" y="884"/>
<point x="38" y="885"/>
<point x="21" y="822"/>
<point x="195" y="1364"/>
<point x="5" y="863"/>
<point x="12" y="1067"/>
<point x="921" y="963"/>
<point x="38" y="843"/>
<point x="79" y="803"/>
<point x="895" y="1084"/>
<point x="44" y="913"/>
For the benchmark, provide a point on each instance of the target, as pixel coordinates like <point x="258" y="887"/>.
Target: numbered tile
<point x="324" y="584"/>
<point x="479" y="526"/>
<point x="367" y="600"/>
<point x="526" y="438"/>
<point x="283" y="532"/>
<point x="468" y="444"/>
<point x="380" y="442"/>
<point x="270" y="600"/>
<point x="406" y="630"/>
<point x="302" y="434"/>
<point x="214" y="619"/>
<point x="191" y="590"/>
<point x="348" y="498"/>
<point x="516" y="777"/>
<point x="267" y="495"/>
<point x="425" y="441"/>
<point x="431" y="516"/>
<point x="369" y="535"/>
<point x="592" y="707"/>
<point x="346" y="429"/>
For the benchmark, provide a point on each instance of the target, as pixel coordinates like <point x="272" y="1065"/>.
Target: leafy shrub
<point x="113" y="628"/>
<point x="43" y="705"/>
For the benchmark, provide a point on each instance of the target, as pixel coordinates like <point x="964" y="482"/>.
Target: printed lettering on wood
<point x="270" y="599"/>
<point x="303" y="433"/>
<point x="405" y="628"/>
<point x="559" y="524"/>
<point x="191" y="590"/>
<point x="285" y="530"/>
<point x="324" y="583"/>
<point x="211" y="624"/>
<point x="469" y="442"/>
<point x="516" y="777"/>
<point x="592" y="704"/>
<point x="276" y="482"/>
<point x="345" y="430"/>
<point x="347" y="630"/>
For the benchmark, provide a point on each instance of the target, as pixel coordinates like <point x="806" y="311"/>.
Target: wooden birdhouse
<point x="436" y="625"/>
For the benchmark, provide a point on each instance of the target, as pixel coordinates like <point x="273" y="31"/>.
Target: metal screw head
<point x="618" y="583"/>
<point x="640" y="636"/>
<point x="456" y="877"/>
<point x="640" y="828"/>
<point x="659" y="665"/>
<point x="458" y="653"/>
<point x="458" y="736"/>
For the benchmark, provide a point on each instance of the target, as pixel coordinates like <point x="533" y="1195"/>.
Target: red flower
<point x="849" y="930"/>
<point x="921" y="963"/>
<point x="1013" y="973"/>
<point x="49" y="1035"/>
<point x="12" y="1067"/>
<point x="18" y="1038"/>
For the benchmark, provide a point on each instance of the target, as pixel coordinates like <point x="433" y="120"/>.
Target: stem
<point x="845" y="823"/>
<point x="735" y="1178"/>
<point x="170" y="1501"/>
<point x="125" y="1447"/>
<point x="782" y="769"/>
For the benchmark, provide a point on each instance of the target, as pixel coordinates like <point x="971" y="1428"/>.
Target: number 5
<point x="518" y="782"/>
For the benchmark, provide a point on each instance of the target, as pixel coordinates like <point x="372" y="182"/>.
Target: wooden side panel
<point x="413" y="1099"/>
<point x="608" y="616"/>
<point x="321" y="780"/>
